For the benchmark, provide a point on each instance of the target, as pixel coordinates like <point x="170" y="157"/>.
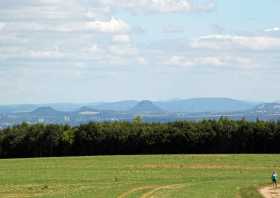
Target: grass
<point x="165" y="176"/>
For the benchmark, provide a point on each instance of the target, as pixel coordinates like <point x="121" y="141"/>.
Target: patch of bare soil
<point x="269" y="192"/>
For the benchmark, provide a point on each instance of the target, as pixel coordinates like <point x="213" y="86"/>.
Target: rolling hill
<point x="197" y="105"/>
<point x="146" y="107"/>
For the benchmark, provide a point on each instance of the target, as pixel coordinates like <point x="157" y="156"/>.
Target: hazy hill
<point x="145" y="107"/>
<point x="86" y="109"/>
<point x="17" y="108"/>
<point x="196" y="105"/>
<point x="45" y="111"/>
<point x="125" y="105"/>
<point x="268" y="108"/>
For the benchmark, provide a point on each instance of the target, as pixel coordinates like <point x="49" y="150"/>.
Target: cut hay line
<point x="156" y="188"/>
<point x="168" y="187"/>
<point x="125" y="194"/>
<point x="200" y="166"/>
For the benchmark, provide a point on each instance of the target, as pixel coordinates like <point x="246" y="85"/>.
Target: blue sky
<point x="108" y="50"/>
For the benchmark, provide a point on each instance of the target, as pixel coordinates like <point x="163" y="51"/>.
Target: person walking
<point x="274" y="179"/>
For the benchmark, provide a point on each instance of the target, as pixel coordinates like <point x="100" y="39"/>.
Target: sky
<point x="108" y="50"/>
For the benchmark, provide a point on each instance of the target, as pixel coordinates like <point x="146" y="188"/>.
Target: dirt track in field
<point x="152" y="190"/>
<point x="269" y="192"/>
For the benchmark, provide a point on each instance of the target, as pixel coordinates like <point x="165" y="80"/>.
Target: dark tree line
<point x="109" y="138"/>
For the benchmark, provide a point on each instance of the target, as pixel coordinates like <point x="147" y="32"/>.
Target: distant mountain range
<point x="268" y="108"/>
<point x="180" y="105"/>
<point x="150" y="111"/>
<point x="125" y="105"/>
<point x="197" y="105"/>
<point x="194" y="105"/>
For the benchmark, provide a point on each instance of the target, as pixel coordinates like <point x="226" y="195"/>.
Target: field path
<point x="269" y="192"/>
<point x="150" y="193"/>
<point x="135" y="190"/>
<point x="153" y="189"/>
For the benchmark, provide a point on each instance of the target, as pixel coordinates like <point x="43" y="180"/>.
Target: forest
<point x="138" y="137"/>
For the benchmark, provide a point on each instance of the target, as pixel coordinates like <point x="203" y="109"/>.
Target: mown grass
<point x="165" y="176"/>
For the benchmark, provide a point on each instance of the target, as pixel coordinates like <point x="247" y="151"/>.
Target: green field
<point x="137" y="176"/>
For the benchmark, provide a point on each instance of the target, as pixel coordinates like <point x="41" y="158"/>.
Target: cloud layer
<point x="86" y="41"/>
<point x="227" y="42"/>
<point x="159" y="6"/>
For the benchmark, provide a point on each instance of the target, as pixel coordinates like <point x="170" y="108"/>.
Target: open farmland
<point x="137" y="176"/>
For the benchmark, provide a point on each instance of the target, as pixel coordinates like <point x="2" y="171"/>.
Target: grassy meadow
<point x="145" y="176"/>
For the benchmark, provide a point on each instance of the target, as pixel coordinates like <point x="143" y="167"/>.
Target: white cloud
<point x="162" y="6"/>
<point x="112" y="26"/>
<point x="126" y="50"/>
<point x="214" y="61"/>
<point x="45" y="54"/>
<point x="274" y="29"/>
<point x="141" y="60"/>
<point x="83" y="30"/>
<point x="121" y="38"/>
<point x="227" y="42"/>
<point x="18" y="53"/>
<point x="2" y="25"/>
<point x="50" y="2"/>
<point x="94" y="49"/>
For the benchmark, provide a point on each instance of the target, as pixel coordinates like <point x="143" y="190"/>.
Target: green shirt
<point x="274" y="177"/>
